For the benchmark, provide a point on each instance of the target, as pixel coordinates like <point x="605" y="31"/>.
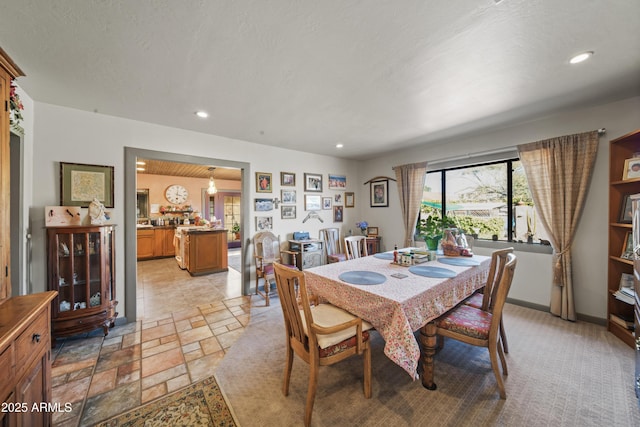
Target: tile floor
<point x="185" y="325"/>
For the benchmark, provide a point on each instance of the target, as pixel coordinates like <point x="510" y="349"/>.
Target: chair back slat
<point x="331" y="237"/>
<point x="267" y="245"/>
<point x="290" y="283"/>
<point x="355" y="247"/>
<point x="501" y="290"/>
<point x="496" y="269"/>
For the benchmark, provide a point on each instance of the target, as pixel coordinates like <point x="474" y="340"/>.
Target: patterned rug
<point x="200" y="404"/>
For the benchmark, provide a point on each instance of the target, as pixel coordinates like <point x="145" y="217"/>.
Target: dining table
<point x="399" y="300"/>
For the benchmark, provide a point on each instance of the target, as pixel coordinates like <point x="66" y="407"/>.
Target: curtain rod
<point x="601" y="131"/>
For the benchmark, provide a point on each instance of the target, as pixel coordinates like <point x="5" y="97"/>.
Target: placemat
<point x="459" y="261"/>
<point x="429" y="271"/>
<point x="384" y="255"/>
<point x="362" y="277"/>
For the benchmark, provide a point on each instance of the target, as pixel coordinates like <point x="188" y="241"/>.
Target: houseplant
<point x="235" y="229"/>
<point x="430" y="229"/>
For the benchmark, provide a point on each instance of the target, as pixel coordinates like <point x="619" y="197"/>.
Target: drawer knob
<point x="35" y="338"/>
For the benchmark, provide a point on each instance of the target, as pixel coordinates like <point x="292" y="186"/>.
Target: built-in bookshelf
<point x="624" y="181"/>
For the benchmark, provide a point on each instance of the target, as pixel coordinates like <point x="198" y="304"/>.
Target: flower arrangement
<point x="362" y="225"/>
<point x="15" y="105"/>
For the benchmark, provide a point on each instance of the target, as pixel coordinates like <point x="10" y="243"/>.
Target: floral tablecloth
<point x="399" y="306"/>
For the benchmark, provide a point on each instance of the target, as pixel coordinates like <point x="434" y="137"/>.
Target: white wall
<point x="532" y="281"/>
<point x="63" y="134"/>
<point x="67" y="135"/>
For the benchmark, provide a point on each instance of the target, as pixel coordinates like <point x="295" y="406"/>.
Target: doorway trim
<point x="130" y="218"/>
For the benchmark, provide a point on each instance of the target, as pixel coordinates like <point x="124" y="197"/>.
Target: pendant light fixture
<point x="212" y="186"/>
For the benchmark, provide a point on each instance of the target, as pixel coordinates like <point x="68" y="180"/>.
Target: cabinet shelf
<point x="93" y="276"/>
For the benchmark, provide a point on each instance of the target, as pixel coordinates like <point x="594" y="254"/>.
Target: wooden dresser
<point x="25" y="360"/>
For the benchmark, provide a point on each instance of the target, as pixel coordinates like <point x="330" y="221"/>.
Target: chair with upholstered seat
<point x="320" y="334"/>
<point x="266" y="248"/>
<point x="355" y="247"/>
<point x="482" y="327"/>
<point x="482" y="298"/>
<point x="332" y="244"/>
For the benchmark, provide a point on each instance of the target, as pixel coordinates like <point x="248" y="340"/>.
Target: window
<point x="490" y="201"/>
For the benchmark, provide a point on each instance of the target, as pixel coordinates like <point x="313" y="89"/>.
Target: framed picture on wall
<point x="263" y="205"/>
<point x="81" y="183"/>
<point x="264" y="223"/>
<point x="312" y="182"/>
<point x="349" y="200"/>
<point x="287" y="179"/>
<point x="326" y="203"/>
<point x="337" y="182"/>
<point x="379" y="194"/>
<point x="288" y="197"/>
<point x="338" y="213"/>
<point x="288" y="212"/>
<point x="263" y="182"/>
<point x="312" y="202"/>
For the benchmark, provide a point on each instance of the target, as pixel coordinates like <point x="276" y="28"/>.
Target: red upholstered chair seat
<point x="475" y="300"/>
<point x="268" y="269"/>
<point x="336" y="258"/>
<point x="467" y="320"/>
<point x="342" y="346"/>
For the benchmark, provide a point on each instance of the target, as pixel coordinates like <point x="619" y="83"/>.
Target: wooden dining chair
<point x="482" y="298"/>
<point x="355" y="247"/>
<point x="332" y="244"/>
<point x="482" y="327"/>
<point x="319" y="334"/>
<point x="266" y="248"/>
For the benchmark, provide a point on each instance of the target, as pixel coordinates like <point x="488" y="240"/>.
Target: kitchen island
<point x="205" y="250"/>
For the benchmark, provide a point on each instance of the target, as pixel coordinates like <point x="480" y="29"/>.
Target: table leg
<point x="428" y="339"/>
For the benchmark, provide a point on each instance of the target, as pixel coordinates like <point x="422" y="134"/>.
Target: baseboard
<point x="539" y="307"/>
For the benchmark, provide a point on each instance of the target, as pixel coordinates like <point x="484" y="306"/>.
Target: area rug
<point x="200" y="404"/>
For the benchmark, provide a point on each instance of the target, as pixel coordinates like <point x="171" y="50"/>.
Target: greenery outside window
<point x="490" y="201"/>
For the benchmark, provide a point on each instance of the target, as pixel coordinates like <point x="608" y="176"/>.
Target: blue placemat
<point x="384" y="255"/>
<point x="429" y="271"/>
<point x="460" y="261"/>
<point x="362" y="277"/>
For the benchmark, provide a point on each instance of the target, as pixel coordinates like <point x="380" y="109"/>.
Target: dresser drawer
<point x="64" y="326"/>
<point x="30" y="343"/>
<point x="7" y="372"/>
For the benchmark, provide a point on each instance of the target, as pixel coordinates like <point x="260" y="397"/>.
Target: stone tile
<point x="168" y="339"/>
<point x="198" y="323"/>
<point x="218" y="316"/>
<point x="102" y="382"/>
<point x="117" y="358"/>
<point x="191" y="347"/>
<point x="131" y="339"/>
<point x="160" y="348"/>
<point x="178" y="383"/>
<point x="163" y="376"/>
<point x="153" y="392"/>
<point x="103" y="406"/>
<point x="196" y="334"/>
<point x="73" y="391"/>
<point x="71" y="418"/>
<point x="196" y="354"/>
<point x="128" y="373"/>
<point x="224" y="322"/>
<point x="204" y="367"/>
<point x="186" y="314"/>
<point x="162" y="361"/>
<point x="158" y="332"/>
<point x="83" y="373"/>
<point x="210" y="345"/>
<point x="183" y="325"/>
<point x="149" y="344"/>
<point x="227" y="340"/>
<point x="62" y="369"/>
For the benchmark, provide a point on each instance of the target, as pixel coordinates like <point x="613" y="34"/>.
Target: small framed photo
<point x="349" y="200"/>
<point x="312" y="182"/>
<point x="263" y="205"/>
<point x="626" y="281"/>
<point x="337" y="182"/>
<point x="81" y="183"/>
<point x="326" y="203"/>
<point x="287" y="212"/>
<point x="627" y="248"/>
<point x="626" y="210"/>
<point x="631" y="168"/>
<point x="287" y="179"/>
<point x="338" y="213"/>
<point x="379" y="196"/>
<point x="312" y="202"/>
<point x="288" y="197"/>
<point x="372" y="231"/>
<point x="264" y="223"/>
<point x="338" y="198"/>
<point x="263" y="182"/>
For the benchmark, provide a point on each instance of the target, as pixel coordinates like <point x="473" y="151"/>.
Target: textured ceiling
<point x="160" y="167"/>
<point x="373" y="75"/>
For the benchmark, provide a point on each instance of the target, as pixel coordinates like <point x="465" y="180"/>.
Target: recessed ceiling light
<point x="202" y="114"/>
<point x="339" y="145"/>
<point x="140" y="163"/>
<point x="580" y="57"/>
<point x="139" y="169"/>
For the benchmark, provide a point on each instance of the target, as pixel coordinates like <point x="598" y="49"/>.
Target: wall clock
<point x="176" y="194"/>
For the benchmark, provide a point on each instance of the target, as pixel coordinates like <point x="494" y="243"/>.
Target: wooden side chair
<point x="319" y="334"/>
<point x="355" y="247"/>
<point x="482" y="327"/>
<point x="482" y="299"/>
<point x="266" y="247"/>
<point x="332" y="244"/>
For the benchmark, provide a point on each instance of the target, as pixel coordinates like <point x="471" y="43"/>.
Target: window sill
<point x="520" y="247"/>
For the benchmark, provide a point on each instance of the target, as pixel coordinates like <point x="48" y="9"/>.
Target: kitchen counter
<point x="205" y="249"/>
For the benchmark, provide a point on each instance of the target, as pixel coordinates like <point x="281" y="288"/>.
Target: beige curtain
<point x="410" y="180"/>
<point x="559" y="171"/>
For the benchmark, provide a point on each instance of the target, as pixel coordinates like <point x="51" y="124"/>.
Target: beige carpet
<point x="560" y="374"/>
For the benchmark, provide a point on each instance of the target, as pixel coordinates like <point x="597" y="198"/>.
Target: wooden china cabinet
<point x="81" y="269"/>
<point x="25" y="320"/>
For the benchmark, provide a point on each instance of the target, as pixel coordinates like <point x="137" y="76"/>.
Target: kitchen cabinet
<point x="81" y="269"/>
<point x="156" y="242"/>
<point x="146" y="243"/>
<point x="207" y="251"/>
<point x="25" y="359"/>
